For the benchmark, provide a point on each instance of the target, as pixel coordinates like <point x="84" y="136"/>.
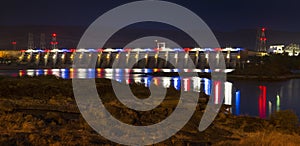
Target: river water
<point x="251" y="98"/>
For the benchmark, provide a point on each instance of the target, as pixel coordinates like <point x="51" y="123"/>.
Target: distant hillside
<point x="247" y="38"/>
<point x="68" y="36"/>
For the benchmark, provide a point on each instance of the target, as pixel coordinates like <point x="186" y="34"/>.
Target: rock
<point x="202" y="100"/>
<point x="6" y="106"/>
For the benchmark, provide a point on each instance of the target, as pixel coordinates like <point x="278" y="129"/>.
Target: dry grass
<point x="266" y="138"/>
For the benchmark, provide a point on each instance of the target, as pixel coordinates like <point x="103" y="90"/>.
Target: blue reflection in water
<point x="176" y="83"/>
<point x="237" y="102"/>
<point x="39" y="72"/>
<point x="91" y="73"/>
<point x="207" y="86"/>
<point x="65" y="73"/>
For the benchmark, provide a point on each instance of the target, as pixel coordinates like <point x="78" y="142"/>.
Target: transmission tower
<point x="54" y="43"/>
<point x="14" y="45"/>
<point x="30" y="41"/>
<point x="261" y="44"/>
<point x="43" y="41"/>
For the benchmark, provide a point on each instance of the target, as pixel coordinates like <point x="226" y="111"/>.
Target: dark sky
<point x="223" y="15"/>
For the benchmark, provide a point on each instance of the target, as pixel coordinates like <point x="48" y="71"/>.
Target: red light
<point x="218" y="49"/>
<point x="54" y="43"/>
<point x="23" y="51"/>
<point x="54" y="34"/>
<point x="156" y="49"/>
<point x="187" y="49"/>
<point x="263" y="29"/>
<point x="100" y="50"/>
<point x="217" y="90"/>
<point x="14" y="43"/>
<point x="47" y="51"/>
<point x="262" y="101"/>
<point x="72" y="50"/>
<point x="127" y="49"/>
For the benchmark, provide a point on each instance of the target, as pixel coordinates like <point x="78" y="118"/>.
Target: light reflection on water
<point x="246" y="97"/>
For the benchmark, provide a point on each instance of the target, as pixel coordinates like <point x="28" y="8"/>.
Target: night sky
<point x="222" y="15"/>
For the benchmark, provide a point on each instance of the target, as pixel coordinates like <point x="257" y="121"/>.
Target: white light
<point x="175" y="70"/>
<point x="138" y="80"/>
<point x="55" y="72"/>
<point x="108" y="71"/>
<point x="176" y="56"/>
<point x="228" y="93"/>
<point x="229" y="70"/>
<point x="30" y="72"/>
<point x="185" y="84"/>
<point x="176" y="83"/>
<point x="197" y="84"/>
<point x="137" y="70"/>
<point x="197" y="70"/>
<point x="206" y="56"/>
<point x="166" y="82"/>
<point x="218" y="56"/>
<point x="186" y="70"/>
<point x="166" y="70"/>
<point x="186" y="56"/>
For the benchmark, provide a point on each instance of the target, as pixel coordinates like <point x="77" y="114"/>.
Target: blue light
<point x="65" y="50"/>
<point x="91" y="73"/>
<point x="65" y="73"/>
<point x="177" y="83"/>
<point x="38" y="50"/>
<point x="178" y="49"/>
<point x="207" y="49"/>
<point x="147" y="70"/>
<point x="149" y="50"/>
<point x="207" y="86"/>
<point x="92" y="50"/>
<point x="147" y="81"/>
<point x="119" y="50"/>
<point x="237" y="102"/>
<point x="39" y="72"/>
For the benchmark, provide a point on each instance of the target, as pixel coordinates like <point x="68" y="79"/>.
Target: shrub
<point x="285" y="119"/>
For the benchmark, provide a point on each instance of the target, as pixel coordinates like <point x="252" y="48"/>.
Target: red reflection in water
<point x="217" y="90"/>
<point x="187" y="84"/>
<point x="21" y="73"/>
<point x="262" y="101"/>
<point x="99" y="73"/>
<point x="156" y="81"/>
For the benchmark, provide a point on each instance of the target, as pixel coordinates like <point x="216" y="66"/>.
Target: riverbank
<point x="42" y="111"/>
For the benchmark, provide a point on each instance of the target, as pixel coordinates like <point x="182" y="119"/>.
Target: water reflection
<point x="128" y="76"/>
<point x="246" y="97"/>
<point x="237" y="102"/>
<point x="262" y="101"/>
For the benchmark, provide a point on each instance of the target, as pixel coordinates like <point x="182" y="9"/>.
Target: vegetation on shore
<point x="42" y="111"/>
<point x="273" y="67"/>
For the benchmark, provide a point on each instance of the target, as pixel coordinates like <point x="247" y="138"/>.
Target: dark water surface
<point x="252" y="98"/>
